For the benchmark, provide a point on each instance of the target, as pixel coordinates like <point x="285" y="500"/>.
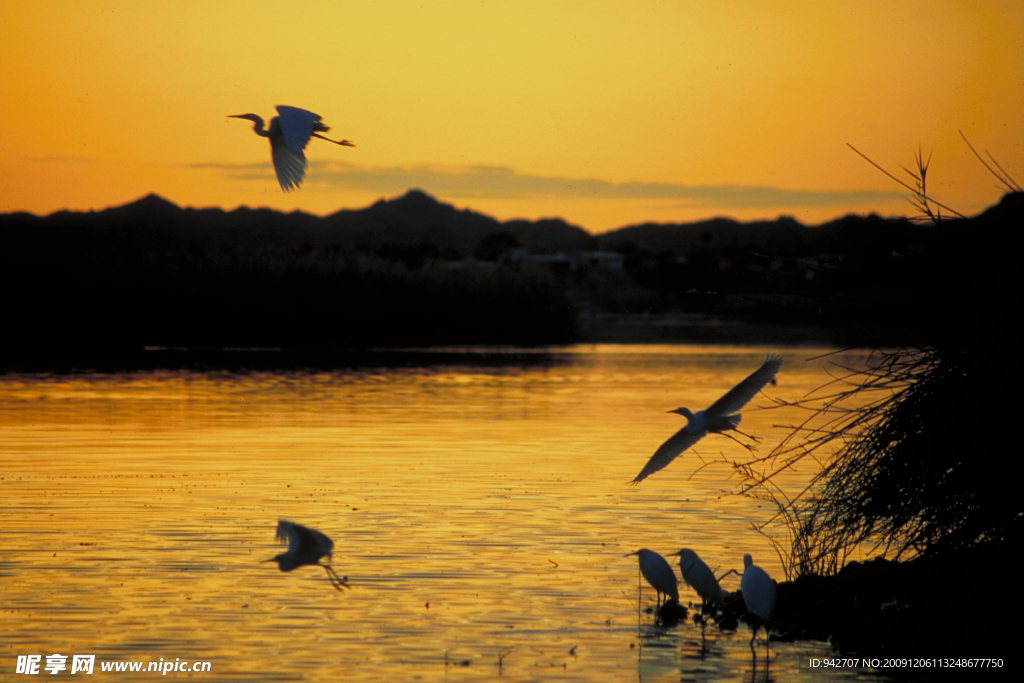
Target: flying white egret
<point x="289" y="132"/>
<point x="758" y="595"/>
<point x="305" y="546"/>
<point x="723" y="415"/>
<point x="699" y="577"/>
<point x="658" y="573"/>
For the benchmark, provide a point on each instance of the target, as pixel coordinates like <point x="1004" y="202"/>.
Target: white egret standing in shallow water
<point x="722" y="415"/>
<point x="758" y="595"/>
<point x="699" y="577"/>
<point x="658" y="573"/>
<point x="305" y="546"/>
<point x="289" y="132"/>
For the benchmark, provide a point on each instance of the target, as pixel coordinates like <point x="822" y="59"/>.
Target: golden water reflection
<point x="480" y="512"/>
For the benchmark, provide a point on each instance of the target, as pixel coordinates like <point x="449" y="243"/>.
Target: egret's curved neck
<point x="257" y="127"/>
<point x="257" y="122"/>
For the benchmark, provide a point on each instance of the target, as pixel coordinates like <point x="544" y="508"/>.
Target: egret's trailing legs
<point x="338" y="582"/>
<point x="344" y="143"/>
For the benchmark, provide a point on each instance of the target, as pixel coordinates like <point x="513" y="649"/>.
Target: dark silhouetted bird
<point x="759" y="596"/>
<point x="699" y="577"/>
<point x="658" y="573"/>
<point x="289" y="132"/>
<point x="721" y="416"/>
<point x="305" y="546"/>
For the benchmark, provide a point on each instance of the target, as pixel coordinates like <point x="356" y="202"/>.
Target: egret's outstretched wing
<point x="314" y="538"/>
<point x="667" y="452"/>
<point x="297" y="126"/>
<point x="300" y="536"/>
<point x="739" y="395"/>
<point x="286" y="534"/>
<point x="289" y="166"/>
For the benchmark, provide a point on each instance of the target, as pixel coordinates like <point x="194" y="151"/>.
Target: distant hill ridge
<point x="411" y="219"/>
<point x="416" y="217"/>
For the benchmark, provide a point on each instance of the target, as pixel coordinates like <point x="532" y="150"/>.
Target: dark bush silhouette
<point x="924" y="467"/>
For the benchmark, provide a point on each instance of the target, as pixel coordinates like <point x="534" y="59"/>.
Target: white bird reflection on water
<point x="480" y="510"/>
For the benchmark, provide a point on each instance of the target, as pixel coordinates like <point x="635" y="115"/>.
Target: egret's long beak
<point x="633" y="553"/>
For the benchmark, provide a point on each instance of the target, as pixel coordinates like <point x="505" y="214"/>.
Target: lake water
<point x="478" y="501"/>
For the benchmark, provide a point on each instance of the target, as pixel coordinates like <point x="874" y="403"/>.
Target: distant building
<point x="608" y="260"/>
<point x="605" y="260"/>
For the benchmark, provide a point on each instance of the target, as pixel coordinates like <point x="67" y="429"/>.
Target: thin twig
<point x="914" y="190"/>
<point x="1005" y="179"/>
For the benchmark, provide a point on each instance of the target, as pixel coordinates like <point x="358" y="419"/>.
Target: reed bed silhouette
<point x="912" y="453"/>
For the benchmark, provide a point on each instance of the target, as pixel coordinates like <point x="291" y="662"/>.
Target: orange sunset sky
<point x="603" y="113"/>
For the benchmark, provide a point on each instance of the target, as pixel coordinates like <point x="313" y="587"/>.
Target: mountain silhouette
<point x="401" y="272"/>
<point x="417" y="218"/>
<point x="412" y="219"/>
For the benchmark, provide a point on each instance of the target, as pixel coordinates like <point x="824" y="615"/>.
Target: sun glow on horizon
<point x="603" y="113"/>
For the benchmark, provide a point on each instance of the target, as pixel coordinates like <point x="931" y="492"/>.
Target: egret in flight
<point x="289" y="132"/>
<point x="721" y="416"/>
<point x="305" y="546"/>
<point x="700" y="578"/>
<point x="658" y="573"/>
<point x="758" y="595"/>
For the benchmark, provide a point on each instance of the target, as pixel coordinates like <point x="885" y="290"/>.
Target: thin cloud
<point x="66" y="159"/>
<point x="503" y="182"/>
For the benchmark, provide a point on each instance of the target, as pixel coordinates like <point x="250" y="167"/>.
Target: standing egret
<point x="658" y="573"/>
<point x="289" y="132"/>
<point x="723" y="415"/>
<point x="758" y="595"/>
<point x="700" y="578"/>
<point x="305" y="546"/>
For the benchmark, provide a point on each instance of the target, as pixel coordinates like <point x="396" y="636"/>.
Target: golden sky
<point x="603" y="113"/>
